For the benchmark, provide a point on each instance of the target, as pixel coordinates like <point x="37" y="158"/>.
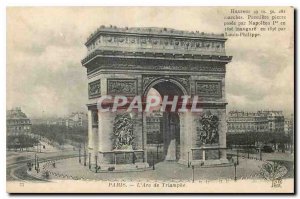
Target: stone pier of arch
<point x="100" y="142"/>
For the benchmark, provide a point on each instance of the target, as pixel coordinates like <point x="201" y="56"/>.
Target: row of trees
<point x="252" y="138"/>
<point x="20" y="142"/>
<point x="60" y="134"/>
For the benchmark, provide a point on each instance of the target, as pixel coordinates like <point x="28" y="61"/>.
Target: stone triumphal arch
<point x="130" y="62"/>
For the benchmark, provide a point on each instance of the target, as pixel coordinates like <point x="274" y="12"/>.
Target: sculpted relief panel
<point x="126" y="87"/>
<point x="208" y="89"/>
<point x="123" y="138"/>
<point x="94" y="89"/>
<point x="208" y="129"/>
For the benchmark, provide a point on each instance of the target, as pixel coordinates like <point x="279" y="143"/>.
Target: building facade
<point x="76" y="119"/>
<point x="289" y="126"/>
<point x="276" y="121"/>
<point x="154" y="128"/>
<point x="261" y="122"/>
<point x="17" y="123"/>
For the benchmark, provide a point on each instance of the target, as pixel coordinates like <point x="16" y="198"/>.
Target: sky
<point x="45" y="47"/>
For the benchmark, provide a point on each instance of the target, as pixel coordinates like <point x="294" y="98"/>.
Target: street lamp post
<point x="37" y="145"/>
<point x="237" y="156"/>
<point x="188" y="159"/>
<point x="157" y="142"/>
<point x="235" y="171"/>
<point x="89" y="160"/>
<point x="248" y="155"/>
<point x="193" y="174"/>
<point x="157" y="151"/>
<point x="84" y="156"/>
<point x="35" y="165"/>
<point x="153" y="161"/>
<point x="79" y="153"/>
<point x="96" y="167"/>
<point x="260" y="154"/>
<point x="40" y="143"/>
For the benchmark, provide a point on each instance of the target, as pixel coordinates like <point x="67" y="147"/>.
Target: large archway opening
<point x="163" y="128"/>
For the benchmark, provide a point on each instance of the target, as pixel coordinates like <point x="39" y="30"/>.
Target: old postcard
<point x="150" y="100"/>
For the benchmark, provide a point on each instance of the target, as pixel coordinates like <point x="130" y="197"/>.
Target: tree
<point x="20" y="141"/>
<point x="60" y="133"/>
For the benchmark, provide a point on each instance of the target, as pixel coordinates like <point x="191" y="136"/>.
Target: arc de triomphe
<point x="131" y="61"/>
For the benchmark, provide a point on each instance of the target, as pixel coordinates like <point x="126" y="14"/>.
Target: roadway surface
<point x="16" y="163"/>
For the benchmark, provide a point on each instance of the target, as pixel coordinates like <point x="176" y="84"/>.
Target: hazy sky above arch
<point x="45" y="47"/>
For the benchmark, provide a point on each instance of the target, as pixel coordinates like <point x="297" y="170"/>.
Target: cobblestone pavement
<point x="71" y="169"/>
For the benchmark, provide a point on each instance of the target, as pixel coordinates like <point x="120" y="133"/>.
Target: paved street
<point x="71" y="169"/>
<point x="16" y="164"/>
